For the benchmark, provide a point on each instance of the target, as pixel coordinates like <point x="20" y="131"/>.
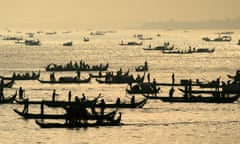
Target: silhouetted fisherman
<point x="171" y="92"/>
<point x="173" y="79"/>
<point x="78" y="74"/>
<point x="133" y="100"/>
<point x="69" y="96"/>
<point x="20" y="91"/>
<point x="148" y="77"/>
<point x="54" y="95"/>
<point x="42" y="109"/>
<point x="1" y="93"/>
<point x="118" y="101"/>
<point x="103" y="106"/>
<point x="190" y="88"/>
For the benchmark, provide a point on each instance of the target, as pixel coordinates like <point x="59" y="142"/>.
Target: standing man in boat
<point x="133" y="100"/>
<point x="1" y="93"/>
<point x="148" y="77"/>
<point x="171" y="92"/>
<point x="103" y="106"/>
<point x="20" y="91"/>
<point x="173" y="79"/>
<point x="69" y="96"/>
<point x="54" y="95"/>
<point x="78" y="74"/>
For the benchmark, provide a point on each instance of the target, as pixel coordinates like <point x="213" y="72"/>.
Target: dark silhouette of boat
<point x="132" y="43"/>
<point x="196" y="99"/>
<point x="190" y="51"/>
<point x="138" y="104"/>
<point x="218" y="39"/>
<point x="97" y="33"/>
<point x="9" y="99"/>
<point x="145" y="38"/>
<point x="12" y="38"/>
<point x="143" y="88"/>
<point x="65" y="80"/>
<point x="70" y="43"/>
<point x="25" y="76"/>
<point x="121" y="78"/>
<point x="32" y="42"/>
<point x="76" y="67"/>
<point x="86" y="39"/>
<point x="40" y="116"/>
<point x="165" y="46"/>
<point x="142" y="68"/>
<point x="79" y="125"/>
<point x="8" y="84"/>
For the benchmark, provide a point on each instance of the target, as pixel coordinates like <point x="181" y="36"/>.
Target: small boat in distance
<point x="68" y="43"/>
<point x="218" y="39"/>
<point x="85" y="39"/>
<point x="165" y="46"/>
<point x="32" y="42"/>
<point x="132" y="43"/>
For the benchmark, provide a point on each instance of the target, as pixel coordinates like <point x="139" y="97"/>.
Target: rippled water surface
<point x="157" y="122"/>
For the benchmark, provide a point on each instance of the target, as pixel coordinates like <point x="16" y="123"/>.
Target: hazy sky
<point x="111" y="13"/>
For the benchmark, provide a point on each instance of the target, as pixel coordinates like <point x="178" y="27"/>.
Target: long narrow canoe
<point x="196" y="99"/>
<point x="85" y="125"/>
<point x="40" y="116"/>
<point x="89" y="103"/>
<point x="77" y="81"/>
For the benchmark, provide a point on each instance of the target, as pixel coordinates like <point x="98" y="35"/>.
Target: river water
<point x="157" y="122"/>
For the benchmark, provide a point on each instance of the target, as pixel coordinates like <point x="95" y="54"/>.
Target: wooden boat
<point x="76" y="67"/>
<point x="32" y="42"/>
<point x="9" y="99"/>
<point x="139" y="104"/>
<point x="67" y="80"/>
<point x="131" y="43"/>
<point x="159" y="48"/>
<point x="213" y="92"/>
<point x="25" y="76"/>
<point x="196" y="99"/>
<point x="165" y="46"/>
<point x="190" y="51"/>
<point x="8" y="84"/>
<point x="40" y="116"/>
<point x="68" y="43"/>
<point x="12" y="38"/>
<point x="85" y="39"/>
<point x="218" y="39"/>
<point x="122" y="80"/>
<point x="85" y="125"/>
<point x="143" y="88"/>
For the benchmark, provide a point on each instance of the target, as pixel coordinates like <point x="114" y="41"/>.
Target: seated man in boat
<point x="1" y="93"/>
<point x="133" y="100"/>
<point x="52" y="77"/>
<point x="20" y="91"/>
<point x="118" y="101"/>
<point x="171" y="92"/>
<point x="83" y="99"/>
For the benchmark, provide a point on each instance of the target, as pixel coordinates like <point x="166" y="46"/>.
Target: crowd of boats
<point x="84" y="112"/>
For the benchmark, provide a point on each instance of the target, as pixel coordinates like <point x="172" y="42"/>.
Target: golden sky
<point x="111" y="13"/>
